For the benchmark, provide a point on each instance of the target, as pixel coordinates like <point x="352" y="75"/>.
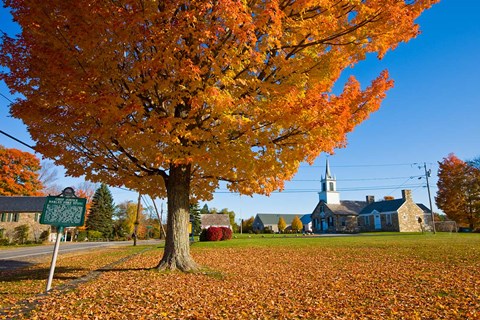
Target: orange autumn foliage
<point x="19" y="173"/>
<point x="458" y="194"/>
<point x="242" y="90"/>
<point x="171" y="97"/>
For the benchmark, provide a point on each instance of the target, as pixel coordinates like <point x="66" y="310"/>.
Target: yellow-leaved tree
<point x="297" y="224"/>
<point x="282" y="225"/>
<point x="171" y="97"/>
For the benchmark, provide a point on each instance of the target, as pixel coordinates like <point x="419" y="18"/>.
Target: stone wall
<point x="408" y="215"/>
<point x="35" y="229"/>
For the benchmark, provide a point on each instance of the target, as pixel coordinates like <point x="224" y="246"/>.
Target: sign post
<point x="65" y="210"/>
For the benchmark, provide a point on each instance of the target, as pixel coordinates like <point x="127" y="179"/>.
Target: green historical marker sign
<point x="64" y="211"/>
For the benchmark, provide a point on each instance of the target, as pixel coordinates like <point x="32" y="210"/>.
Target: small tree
<point x="282" y="225"/>
<point x="101" y="213"/>
<point x="21" y="233"/>
<point x="231" y="215"/>
<point x="247" y="225"/>
<point x="297" y="224"/>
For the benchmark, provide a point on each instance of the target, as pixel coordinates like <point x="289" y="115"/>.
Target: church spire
<point x="329" y="192"/>
<point x="328" y="175"/>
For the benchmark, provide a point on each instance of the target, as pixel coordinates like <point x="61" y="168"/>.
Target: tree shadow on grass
<point x="6" y="265"/>
<point x="29" y="272"/>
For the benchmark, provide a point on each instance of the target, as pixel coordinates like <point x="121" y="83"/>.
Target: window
<point x="331" y="186"/>
<point x="367" y="220"/>
<point x="330" y="221"/>
<point x="9" y="217"/>
<point x="388" y="219"/>
<point x="344" y="222"/>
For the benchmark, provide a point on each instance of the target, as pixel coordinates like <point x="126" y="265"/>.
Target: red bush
<point x="214" y="234"/>
<point x="226" y="233"/>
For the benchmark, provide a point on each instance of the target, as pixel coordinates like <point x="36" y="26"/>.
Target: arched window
<point x="331" y="186"/>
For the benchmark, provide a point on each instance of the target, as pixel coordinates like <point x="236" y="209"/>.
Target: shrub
<point x="82" y="235"/>
<point x="226" y="233"/>
<point x="268" y="231"/>
<point x="4" y="242"/>
<point x="93" y="235"/>
<point x="203" y="235"/>
<point x="44" y="236"/>
<point x="214" y="234"/>
<point x="21" y="234"/>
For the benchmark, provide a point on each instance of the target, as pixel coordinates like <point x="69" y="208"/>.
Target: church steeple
<point x="329" y="192"/>
<point x="328" y="175"/>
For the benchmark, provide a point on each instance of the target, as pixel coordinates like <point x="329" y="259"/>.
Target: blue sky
<point x="433" y="110"/>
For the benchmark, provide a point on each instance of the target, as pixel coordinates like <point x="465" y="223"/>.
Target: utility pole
<point x="427" y="175"/>
<point x="160" y="217"/>
<point x="137" y="222"/>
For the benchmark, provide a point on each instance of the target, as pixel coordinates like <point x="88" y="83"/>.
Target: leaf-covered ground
<point x="378" y="277"/>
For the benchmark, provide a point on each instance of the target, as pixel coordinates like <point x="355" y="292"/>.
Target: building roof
<point x="424" y="208"/>
<point x="345" y="208"/>
<point x="384" y="206"/>
<point x="272" y="218"/>
<point x="215" y="219"/>
<point x="22" y="204"/>
<point x="306" y="219"/>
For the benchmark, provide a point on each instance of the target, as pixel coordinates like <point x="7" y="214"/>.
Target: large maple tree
<point x="171" y="97"/>
<point x="458" y="192"/>
<point x="19" y="173"/>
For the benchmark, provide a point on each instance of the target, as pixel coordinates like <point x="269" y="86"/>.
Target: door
<point x="378" y="222"/>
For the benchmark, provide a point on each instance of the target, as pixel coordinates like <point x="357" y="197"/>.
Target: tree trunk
<point x="177" y="244"/>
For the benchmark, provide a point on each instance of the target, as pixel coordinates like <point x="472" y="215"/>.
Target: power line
<point x="373" y="188"/>
<point x="18" y="140"/>
<point x="412" y="164"/>
<point x="7" y="98"/>
<point x="359" y="179"/>
<point x="360" y="165"/>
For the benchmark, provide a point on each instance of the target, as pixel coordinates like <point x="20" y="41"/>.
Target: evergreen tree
<point x="100" y="217"/>
<point x="197" y="223"/>
<point x="205" y="209"/>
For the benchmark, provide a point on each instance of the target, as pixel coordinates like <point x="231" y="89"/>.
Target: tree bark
<point x="177" y="244"/>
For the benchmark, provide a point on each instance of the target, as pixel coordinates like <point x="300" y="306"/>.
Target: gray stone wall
<point x="34" y="228"/>
<point x="408" y="215"/>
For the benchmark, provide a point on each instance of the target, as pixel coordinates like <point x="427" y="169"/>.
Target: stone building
<point x="18" y="211"/>
<point x="401" y="215"/>
<point x="332" y="215"/>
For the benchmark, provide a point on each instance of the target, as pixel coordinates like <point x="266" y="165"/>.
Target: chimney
<point x="407" y="194"/>
<point x="370" y="199"/>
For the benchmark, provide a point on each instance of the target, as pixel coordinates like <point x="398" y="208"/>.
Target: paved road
<point x="24" y="256"/>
